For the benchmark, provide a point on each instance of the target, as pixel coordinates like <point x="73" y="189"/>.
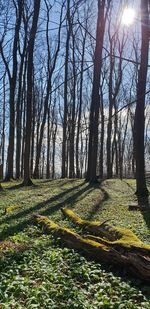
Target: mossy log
<point x="103" y="229"/>
<point x="128" y="251"/>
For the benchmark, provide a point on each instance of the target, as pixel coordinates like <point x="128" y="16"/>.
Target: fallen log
<point x="74" y="240"/>
<point x="135" y="256"/>
<point x="103" y="229"/>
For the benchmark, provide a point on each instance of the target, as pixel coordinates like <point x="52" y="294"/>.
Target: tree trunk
<point x="80" y="107"/>
<point x="64" y="142"/>
<point x="139" y="126"/>
<point x="109" y="126"/>
<point x="101" y="161"/>
<point x="19" y="105"/>
<point x="95" y="104"/>
<point x="54" y="150"/>
<point x="39" y="145"/>
<point x="33" y="130"/>
<point x="4" y="123"/>
<point x="72" y="123"/>
<point x="12" y="82"/>
<point x="48" y="145"/>
<point x="27" y="181"/>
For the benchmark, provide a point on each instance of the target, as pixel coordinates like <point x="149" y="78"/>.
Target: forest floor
<point x="37" y="271"/>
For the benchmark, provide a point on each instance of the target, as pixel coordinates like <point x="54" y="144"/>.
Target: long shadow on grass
<point x="41" y="205"/>
<point x="129" y="185"/>
<point x="21" y="186"/>
<point x="44" y="208"/>
<point x="98" y="206"/>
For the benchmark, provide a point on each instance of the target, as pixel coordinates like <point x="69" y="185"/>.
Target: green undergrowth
<point x="37" y="271"/>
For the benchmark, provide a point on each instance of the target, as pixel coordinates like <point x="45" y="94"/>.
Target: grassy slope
<point x="37" y="272"/>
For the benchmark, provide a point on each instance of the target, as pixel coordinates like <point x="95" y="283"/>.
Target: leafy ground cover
<point x="37" y="271"/>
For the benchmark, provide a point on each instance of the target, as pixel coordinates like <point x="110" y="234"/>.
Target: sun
<point x="128" y="16"/>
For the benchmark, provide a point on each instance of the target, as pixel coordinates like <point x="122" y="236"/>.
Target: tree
<point x="84" y="36"/>
<point x="12" y="82"/>
<point x="19" y="103"/>
<point x="51" y="64"/>
<point x="27" y="181"/>
<point x="65" y="116"/>
<point x="95" y="103"/>
<point x="139" y="124"/>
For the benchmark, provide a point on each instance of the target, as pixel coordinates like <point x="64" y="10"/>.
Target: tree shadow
<point x="44" y="208"/>
<point x="47" y="180"/>
<point x="62" y="181"/>
<point x="98" y="206"/>
<point x="67" y="181"/>
<point x="21" y="186"/>
<point x="129" y="185"/>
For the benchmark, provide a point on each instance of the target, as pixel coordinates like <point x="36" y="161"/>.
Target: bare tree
<point x="27" y="181"/>
<point x="51" y="64"/>
<point x="64" y="142"/>
<point x="12" y="75"/>
<point x="95" y="103"/>
<point x="19" y="103"/>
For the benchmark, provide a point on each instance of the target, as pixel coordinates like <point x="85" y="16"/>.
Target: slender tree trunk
<point x="51" y="68"/>
<point x="27" y="181"/>
<point x="101" y="161"/>
<point x="54" y="151"/>
<point x="23" y="112"/>
<point x="48" y="145"/>
<point x="39" y="145"/>
<point x="10" y="157"/>
<point x="116" y="151"/>
<point x="19" y="115"/>
<point x="95" y="104"/>
<point x="4" y="123"/>
<point x="80" y="108"/>
<point x="13" y="81"/>
<point x="33" y="131"/>
<point x="64" y="142"/>
<point x="72" y="124"/>
<point x="23" y="125"/>
<point x="109" y="126"/>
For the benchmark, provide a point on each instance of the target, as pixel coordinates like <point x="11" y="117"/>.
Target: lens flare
<point x="128" y="16"/>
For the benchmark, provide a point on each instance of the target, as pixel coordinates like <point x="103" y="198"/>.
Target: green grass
<point x="37" y="271"/>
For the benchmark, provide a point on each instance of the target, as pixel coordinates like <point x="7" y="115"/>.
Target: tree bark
<point x="80" y="106"/>
<point x="19" y="105"/>
<point x="95" y="104"/>
<point x="139" y="125"/>
<point x="12" y="83"/>
<point x="64" y="142"/>
<point x="27" y="181"/>
<point x="72" y="122"/>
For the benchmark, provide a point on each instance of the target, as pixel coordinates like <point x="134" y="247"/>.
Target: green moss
<point x="52" y="227"/>
<point x="77" y="220"/>
<point x="11" y="208"/>
<point x="121" y="236"/>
